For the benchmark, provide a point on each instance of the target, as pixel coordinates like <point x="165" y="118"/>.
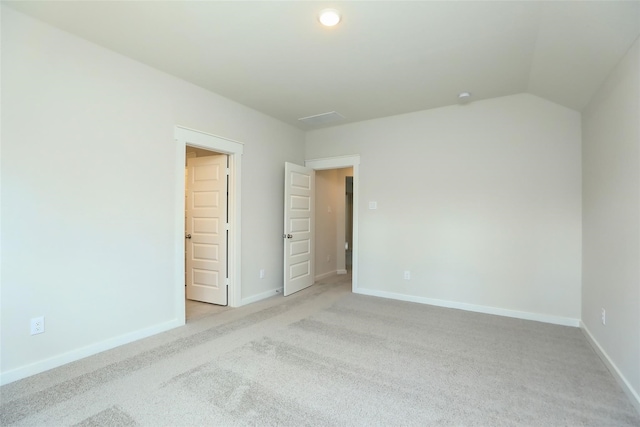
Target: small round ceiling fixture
<point x="464" y="98"/>
<point x="329" y="17"/>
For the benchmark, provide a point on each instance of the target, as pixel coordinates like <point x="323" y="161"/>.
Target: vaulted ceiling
<point x="383" y="58"/>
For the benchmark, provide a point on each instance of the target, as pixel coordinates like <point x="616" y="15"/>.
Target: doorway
<point x="206" y="200"/>
<point x="199" y="140"/>
<point x="333" y="214"/>
<point x="343" y="162"/>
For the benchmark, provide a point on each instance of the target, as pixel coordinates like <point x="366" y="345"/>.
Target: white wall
<point x="611" y="219"/>
<point x="482" y="203"/>
<point x="88" y="161"/>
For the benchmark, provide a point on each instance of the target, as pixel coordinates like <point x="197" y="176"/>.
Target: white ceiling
<point x="384" y="58"/>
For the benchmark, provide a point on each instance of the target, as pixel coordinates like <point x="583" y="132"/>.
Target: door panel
<point x="298" y="228"/>
<point x="206" y="263"/>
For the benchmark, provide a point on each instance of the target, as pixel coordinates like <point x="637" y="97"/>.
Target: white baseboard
<point x="81" y="353"/>
<point x="342" y="271"/>
<point x="325" y="275"/>
<point x="261" y="296"/>
<point x="633" y="394"/>
<point x="538" y="317"/>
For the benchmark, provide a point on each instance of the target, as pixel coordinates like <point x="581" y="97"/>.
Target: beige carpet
<point x="325" y="356"/>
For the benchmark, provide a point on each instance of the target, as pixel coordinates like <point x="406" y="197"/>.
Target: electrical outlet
<point x="262" y="273"/>
<point x="407" y="275"/>
<point x="604" y="317"/>
<point x="37" y="325"/>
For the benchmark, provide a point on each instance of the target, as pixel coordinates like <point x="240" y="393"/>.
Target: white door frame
<point x="183" y="137"/>
<point x="338" y="163"/>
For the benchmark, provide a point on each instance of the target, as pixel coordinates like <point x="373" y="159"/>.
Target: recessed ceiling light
<point x="463" y="96"/>
<point x="329" y="17"/>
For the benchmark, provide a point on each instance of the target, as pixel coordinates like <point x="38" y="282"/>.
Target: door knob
<point x="287" y="236"/>
<point x="187" y="236"/>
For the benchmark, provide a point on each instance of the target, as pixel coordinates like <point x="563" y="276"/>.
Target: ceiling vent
<point x="322" y="119"/>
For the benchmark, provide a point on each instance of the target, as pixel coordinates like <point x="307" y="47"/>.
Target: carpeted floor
<point x="325" y="356"/>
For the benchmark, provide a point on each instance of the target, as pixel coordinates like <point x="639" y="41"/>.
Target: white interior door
<point x="299" y="212"/>
<point x="206" y="229"/>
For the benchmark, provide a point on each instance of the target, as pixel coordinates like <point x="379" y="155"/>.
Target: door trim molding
<point x="338" y="163"/>
<point x="234" y="149"/>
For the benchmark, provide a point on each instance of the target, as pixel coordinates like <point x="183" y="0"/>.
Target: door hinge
<point x="226" y="281"/>
<point x="228" y="171"/>
<point x="227" y="227"/>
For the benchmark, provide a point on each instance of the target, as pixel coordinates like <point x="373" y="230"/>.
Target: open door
<point x="299" y="212"/>
<point x="206" y="229"/>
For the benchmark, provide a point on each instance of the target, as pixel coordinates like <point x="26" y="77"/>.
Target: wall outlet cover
<point x="37" y="325"/>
